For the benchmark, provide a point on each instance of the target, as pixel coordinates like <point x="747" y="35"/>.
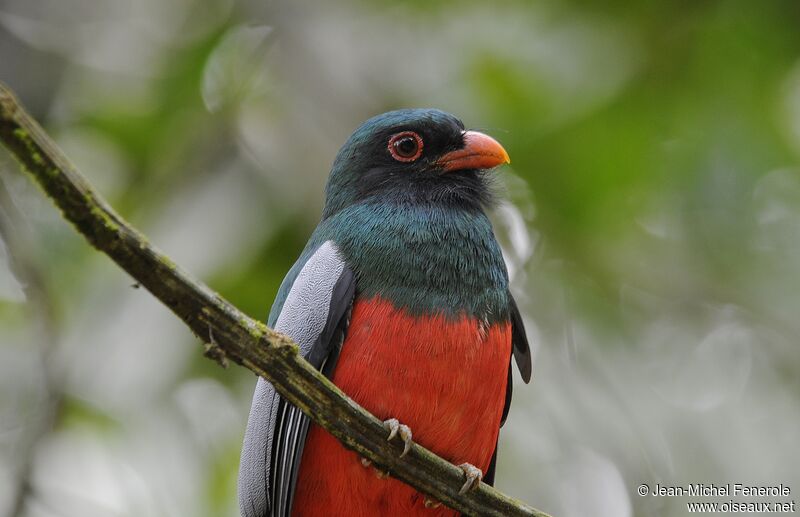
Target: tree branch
<point x="230" y="334"/>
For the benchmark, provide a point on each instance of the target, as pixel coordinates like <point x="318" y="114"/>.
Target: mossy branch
<point x="228" y="333"/>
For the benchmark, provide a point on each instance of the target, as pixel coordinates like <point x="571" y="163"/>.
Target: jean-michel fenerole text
<point x="722" y="490"/>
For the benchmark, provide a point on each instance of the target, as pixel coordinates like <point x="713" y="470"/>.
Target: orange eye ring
<point x="406" y="146"/>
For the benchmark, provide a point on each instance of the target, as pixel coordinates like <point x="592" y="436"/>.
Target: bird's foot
<point x="473" y="475"/>
<point x="395" y="428"/>
<point x="432" y="503"/>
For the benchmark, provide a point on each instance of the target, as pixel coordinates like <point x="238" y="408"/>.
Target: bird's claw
<point x="396" y="428"/>
<point x="473" y="475"/>
<point x="432" y="503"/>
<point x="380" y="474"/>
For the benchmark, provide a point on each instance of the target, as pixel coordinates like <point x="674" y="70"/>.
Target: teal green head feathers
<point x="418" y="156"/>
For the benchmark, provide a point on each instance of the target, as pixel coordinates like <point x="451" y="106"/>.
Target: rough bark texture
<point x="228" y="333"/>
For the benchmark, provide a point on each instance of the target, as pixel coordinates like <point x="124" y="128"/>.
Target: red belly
<point x="444" y="378"/>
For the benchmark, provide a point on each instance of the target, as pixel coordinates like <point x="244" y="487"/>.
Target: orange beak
<point x="479" y="152"/>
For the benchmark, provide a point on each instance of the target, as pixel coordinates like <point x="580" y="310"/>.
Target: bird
<point x="401" y="297"/>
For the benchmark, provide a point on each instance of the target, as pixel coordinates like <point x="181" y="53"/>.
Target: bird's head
<point x="422" y="156"/>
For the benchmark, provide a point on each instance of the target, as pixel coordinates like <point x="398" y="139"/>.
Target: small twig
<point x="243" y="340"/>
<point x="213" y="351"/>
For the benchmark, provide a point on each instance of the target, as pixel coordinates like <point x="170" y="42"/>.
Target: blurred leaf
<point x="235" y="67"/>
<point x="77" y="413"/>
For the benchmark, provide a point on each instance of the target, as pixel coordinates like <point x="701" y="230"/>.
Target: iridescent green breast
<point x="426" y="259"/>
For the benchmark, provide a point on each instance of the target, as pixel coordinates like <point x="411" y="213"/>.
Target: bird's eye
<point x="405" y="146"/>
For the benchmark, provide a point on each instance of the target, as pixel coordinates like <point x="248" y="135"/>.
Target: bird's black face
<point x="414" y="156"/>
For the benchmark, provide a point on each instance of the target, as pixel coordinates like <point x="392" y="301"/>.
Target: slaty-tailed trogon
<point x="400" y="297"/>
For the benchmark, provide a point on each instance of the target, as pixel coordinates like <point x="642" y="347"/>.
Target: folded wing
<point x="312" y="308"/>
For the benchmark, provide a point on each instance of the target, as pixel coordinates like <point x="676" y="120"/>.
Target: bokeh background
<point x="652" y="230"/>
